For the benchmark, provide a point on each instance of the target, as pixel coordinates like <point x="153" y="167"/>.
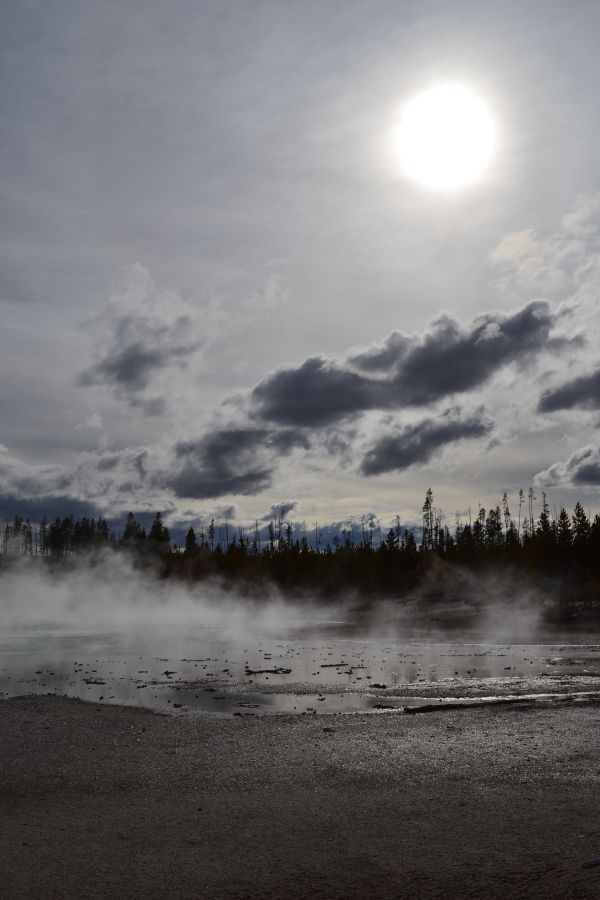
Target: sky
<point x="221" y="295"/>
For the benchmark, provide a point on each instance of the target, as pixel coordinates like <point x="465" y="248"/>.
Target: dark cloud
<point x="588" y="473"/>
<point x="280" y="510"/>
<point x="446" y="360"/>
<point x="450" y="360"/>
<point x="131" y="460"/>
<point x="581" y="469"/>
<point x="316" y="393"/>
<point x="108" y="463"/>
<point x="223" y="513"/>
<point x="581" y="392"/>
<point x="230" y="461"/>
<point x="130" y="368"/>
<point x="382" y="357"/>
<point x="197" y="482"/>
<point x="416" y="444"/>
<point x="139" y="336"/>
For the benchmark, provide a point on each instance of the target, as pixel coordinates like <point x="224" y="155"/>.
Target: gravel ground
<point x="114" y="802"/>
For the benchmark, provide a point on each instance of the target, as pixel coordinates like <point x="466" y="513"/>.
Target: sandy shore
<point x="106" y="801"/>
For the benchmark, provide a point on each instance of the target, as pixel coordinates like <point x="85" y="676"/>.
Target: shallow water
<point x="311" y="670"/>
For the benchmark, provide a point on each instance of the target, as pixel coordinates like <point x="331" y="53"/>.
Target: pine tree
<point x="391" y="541"/>
<point x="159" y="538"/>
<point x="428" y="539"/>
<point x="581" y="529"/>
<point x="565" y="535"/>
<point x="190" y="542"/>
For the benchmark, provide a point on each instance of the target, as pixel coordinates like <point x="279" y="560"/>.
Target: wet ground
<point x="312" y="669"/>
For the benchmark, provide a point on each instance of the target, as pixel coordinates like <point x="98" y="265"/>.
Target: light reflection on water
<point x="309" y="670"/>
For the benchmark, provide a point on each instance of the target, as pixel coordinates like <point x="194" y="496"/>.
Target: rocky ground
<point x="114" y="802"/>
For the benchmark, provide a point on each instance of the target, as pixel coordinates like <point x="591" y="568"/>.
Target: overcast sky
<point x="219" y="291"/>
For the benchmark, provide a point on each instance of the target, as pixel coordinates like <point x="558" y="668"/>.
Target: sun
<point x="446" y="137"/>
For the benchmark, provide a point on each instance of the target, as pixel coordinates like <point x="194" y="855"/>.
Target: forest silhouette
<point x="557" y="549"/>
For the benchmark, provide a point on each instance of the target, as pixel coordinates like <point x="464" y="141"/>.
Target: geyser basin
<point x="210" y="672"/>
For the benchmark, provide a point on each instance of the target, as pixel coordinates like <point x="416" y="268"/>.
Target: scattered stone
<point x="278" y="671"/>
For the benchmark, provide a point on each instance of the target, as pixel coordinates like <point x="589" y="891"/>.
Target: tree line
<point x="74" y="537"/>
<point x="551" y="542"/>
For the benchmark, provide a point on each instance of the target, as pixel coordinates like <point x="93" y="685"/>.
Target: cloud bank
<point x="411" y="371"/>
<point x="416" y="444"/>
<point x="316" y="406"/>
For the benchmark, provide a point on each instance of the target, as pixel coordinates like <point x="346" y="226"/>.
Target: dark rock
<point x="278" y="671"/>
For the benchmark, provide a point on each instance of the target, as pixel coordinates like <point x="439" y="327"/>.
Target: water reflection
<point x="302" y="672"/>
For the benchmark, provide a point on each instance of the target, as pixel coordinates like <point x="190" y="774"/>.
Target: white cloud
<point x="581" y="470"/>
<point x="558" y="262"/>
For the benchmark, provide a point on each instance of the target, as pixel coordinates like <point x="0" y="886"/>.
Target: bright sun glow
<point x="446" y="137"/>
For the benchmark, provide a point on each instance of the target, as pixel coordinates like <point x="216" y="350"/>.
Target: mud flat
<point x="111" y="802"/>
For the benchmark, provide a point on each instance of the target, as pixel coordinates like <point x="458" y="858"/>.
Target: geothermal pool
<point x="307" y="669"/>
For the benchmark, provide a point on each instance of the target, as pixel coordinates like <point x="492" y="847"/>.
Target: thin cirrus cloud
<point x="406" y="371"/>
<point x="582" y="392"/>
<point x="556" y="261"/>
<point x="418" y="443"/>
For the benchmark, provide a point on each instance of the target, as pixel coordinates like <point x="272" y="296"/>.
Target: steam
<point x="454" y="603"/>
<point x="111" y="594"/>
